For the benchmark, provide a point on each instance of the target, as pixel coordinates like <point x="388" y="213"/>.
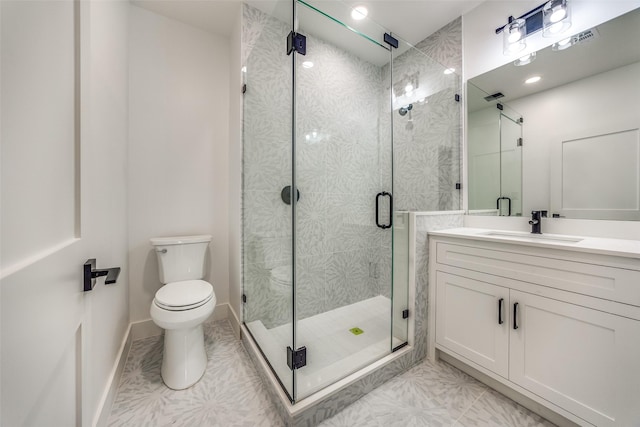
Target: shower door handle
<point x="378" y="196"/>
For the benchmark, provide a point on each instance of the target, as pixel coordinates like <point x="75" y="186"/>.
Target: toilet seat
<point x="184" y="295"/>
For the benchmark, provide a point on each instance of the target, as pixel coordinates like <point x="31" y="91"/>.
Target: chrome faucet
<point x="536" y="221"/>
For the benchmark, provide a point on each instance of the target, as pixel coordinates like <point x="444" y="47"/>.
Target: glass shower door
<point x="511" y="162"/>
<point x="342" y="169"/>
<point x="267" y="235"/>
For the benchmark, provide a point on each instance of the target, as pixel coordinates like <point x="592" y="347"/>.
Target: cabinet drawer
<point x="615" y="284"/>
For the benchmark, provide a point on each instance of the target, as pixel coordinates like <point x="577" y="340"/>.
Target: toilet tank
<point x="181" y="257"/>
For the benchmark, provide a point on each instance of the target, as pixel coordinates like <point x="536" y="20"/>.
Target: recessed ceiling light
<point x="359" y="12"/>
<point x="307" y="64"/>
<point x="533" y="79"/>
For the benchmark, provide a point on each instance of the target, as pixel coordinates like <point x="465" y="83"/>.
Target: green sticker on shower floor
<point x="356" y="331"/>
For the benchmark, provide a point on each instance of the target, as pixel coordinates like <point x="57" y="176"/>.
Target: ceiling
<point x="412" y="20"/>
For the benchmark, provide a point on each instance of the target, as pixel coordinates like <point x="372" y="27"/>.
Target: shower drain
<point x="356" y="331"/>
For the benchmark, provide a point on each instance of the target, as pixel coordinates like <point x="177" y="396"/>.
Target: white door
<point x="471" y="320"/>
<point x="584" y="360"/>
<point x="63" y="201"/>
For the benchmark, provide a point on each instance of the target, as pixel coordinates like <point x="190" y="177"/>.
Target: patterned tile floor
<point x="232" y="394"/>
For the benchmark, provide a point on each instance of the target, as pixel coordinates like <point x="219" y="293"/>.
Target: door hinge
<point x="296" y="359"/>
<point x="500" y="106"/>
<point x="390" y="40"/>
<point x="244" y="298"/>
<point x="244" y="88"/>
<point x="296" y="42"/>
<point x="458" y="186"/>
<point x="521" y="120"/>
<point x="405" y="314"/>
<point x="457" y="97"/>
<point x="519" y="143"/>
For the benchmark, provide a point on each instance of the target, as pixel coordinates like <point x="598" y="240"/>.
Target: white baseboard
<point x="106" y="402"/>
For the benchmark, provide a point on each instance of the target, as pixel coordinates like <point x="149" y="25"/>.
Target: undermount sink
<point x="530" y="237"/>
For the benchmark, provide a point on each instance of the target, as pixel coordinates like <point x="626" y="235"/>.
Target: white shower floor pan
<point x="333" y="351"/>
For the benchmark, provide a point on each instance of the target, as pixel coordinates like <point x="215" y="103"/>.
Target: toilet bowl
<point x="181" y="306"/>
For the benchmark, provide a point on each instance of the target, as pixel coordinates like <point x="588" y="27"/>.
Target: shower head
<point x="404" y="110"/>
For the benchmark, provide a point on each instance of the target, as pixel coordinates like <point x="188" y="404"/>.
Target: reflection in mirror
<point x="494" y="135"/>
<point x="581" y="130"/>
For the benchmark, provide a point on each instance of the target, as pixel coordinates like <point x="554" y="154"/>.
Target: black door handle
<point x="515" y="315"/>
<point x="500" y="302"/>
<point x="498" y="204"/>
<point x="90" y="272"/>
<point x="383" y="194"/>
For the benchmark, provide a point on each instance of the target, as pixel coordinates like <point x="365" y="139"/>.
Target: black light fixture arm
<point x="525" y="16"/>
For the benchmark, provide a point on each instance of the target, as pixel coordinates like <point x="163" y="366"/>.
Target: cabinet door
<point x="468" y="321"/>
<point x="581" y="359"/>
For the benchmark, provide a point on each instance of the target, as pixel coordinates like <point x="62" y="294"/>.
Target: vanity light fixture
<point x="534" y="79"/>
<point x="514" y="34"/>
<point x="527" y="59"/>
<point x="556" y="18"/>
<point x="552" y="17"/>
<point x="359" y="12"/>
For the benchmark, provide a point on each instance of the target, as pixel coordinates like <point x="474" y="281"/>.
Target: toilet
<point x="180" y="307"/>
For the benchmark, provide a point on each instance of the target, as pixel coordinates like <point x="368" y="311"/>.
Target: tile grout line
<point x="470" y="406"/>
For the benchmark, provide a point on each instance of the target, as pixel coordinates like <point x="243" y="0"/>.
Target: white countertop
<point x="596" y="245"/>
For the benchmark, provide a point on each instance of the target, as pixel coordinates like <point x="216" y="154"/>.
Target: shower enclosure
<point x="344" y="131"/>
<point x="495" y="155"/>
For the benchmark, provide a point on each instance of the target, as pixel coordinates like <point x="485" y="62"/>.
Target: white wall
<point x="235" y="173"/>
<point x="600" y="104"/>
<point x="482" y="47"/>
<point x="178" y="151"/>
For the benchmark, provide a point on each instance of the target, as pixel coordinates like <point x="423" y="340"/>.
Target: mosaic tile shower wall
<point x="339" y="256"/>
<point x="427" y="139"/>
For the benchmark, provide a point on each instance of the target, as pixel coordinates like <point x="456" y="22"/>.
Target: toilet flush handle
<point x="162" y="251"/>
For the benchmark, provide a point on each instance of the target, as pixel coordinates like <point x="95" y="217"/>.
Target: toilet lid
<point x="184" y="295"/>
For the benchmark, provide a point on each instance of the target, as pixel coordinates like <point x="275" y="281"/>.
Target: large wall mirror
<point x="568" y="143"/>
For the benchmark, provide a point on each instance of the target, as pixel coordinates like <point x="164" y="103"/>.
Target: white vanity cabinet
<point x="559" y="326"/>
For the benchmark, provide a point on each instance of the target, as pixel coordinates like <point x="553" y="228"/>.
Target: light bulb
<point x="359" y="12"/>
<point x="533" y="79"/>
<point x="558" y="14"/>
<point x="514" y="36"/>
